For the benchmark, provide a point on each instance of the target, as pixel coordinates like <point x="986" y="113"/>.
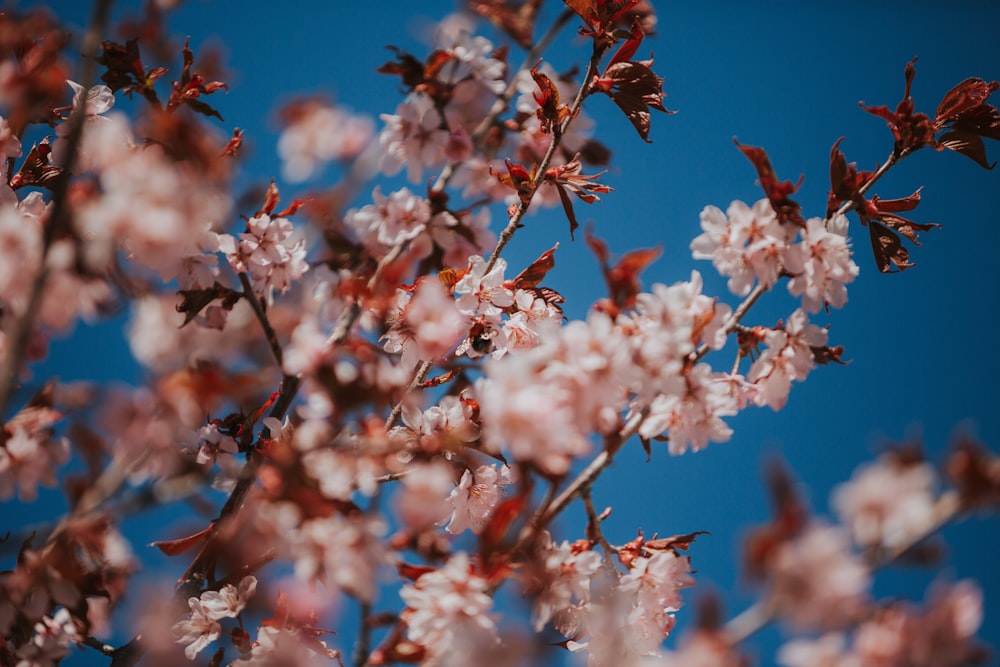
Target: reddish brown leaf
<point x="412" y="572"/>
<point x="517" y="19"/>
<point x="37" y="169"/>
<point x="194" y="301"/>
<point x="790" y="516"/>
<point x="975" y="472"/>
<point x="551" y="112"/>
<point x="888" y="249"/>
<point x="778" y="192"/>
<point x="503" y="517"/>
<point x="535" y="272"/>
<point x="179" y="546"/>
<point x="675" y="542"/>
<point x="192" y="86"/>
<point x="845" y="180"/>
<point x="911" y="130"/>
<point x="635" y="89"/>
<point x="630" y="45"/>
<point x="968" y="144"/>
<point x="623" y="278"/>
<point x="232" y="148"/>
<point x="962" y="99"/>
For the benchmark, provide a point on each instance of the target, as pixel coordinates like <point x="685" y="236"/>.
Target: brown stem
<point x="540" y="169"/>
<point x="261" y="314"/>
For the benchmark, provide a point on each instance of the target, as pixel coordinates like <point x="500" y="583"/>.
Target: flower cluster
<point x="201" y="626"/>
<point x="750" y="244"/>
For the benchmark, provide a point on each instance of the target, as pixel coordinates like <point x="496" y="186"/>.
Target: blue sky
<point x="784" y="76"/>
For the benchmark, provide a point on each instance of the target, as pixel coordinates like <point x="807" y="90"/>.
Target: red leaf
<point x="179" y="546"/>
<point x="963" y="98"/>
<point x="271" y="197"/>
<point x="37" y="169"/>
<point x="551" y="113"/>
<point x="630" y="45"/>
<point x="888" y="249"/>
<point x="968" y="144"/>
<point x="675" y="542"/>
<point x="515" y="19"/>
<point x="623" y="278"/>
<point x="790" y="516"/>
<point x="635" y="89"/>
<point x="778" y="192"/>
<point x="535" y="272"/>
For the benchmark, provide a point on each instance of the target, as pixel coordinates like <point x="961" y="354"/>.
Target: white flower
<point x="475" y="498"/>
<point x="197" y="630"/>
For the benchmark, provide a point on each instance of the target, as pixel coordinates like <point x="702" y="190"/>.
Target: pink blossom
<point x="888" y="503"/>
<point x="320" y="133"/>
<point x="269" y="251"/>
<point x="744" y="243"/>
<point x="830" y="650"/>
<point x="308" y="348"/>
<point x="197" y="630"/>
<point x="29" y="459"/>
<point x="214" y="444"/>
<point x="821" y="264"/>
<point x="788" y="357"/>
<point x="816" y="582"/>
<point x="99" y="99"/>
<point x="693" y="417"/>
<point x="941" y="634"/>
<point x="285" y="647"/>
<point x="448" y="611"/>
<point x="230" y="600"/>
<point x="344" y="552"/>
<point x="484" y="292"/>
<point x="435" y="320"/>
<point x="51" y="641"/>
<point x="423" y="500"/>
<point x="447" y="426"/>
<point x="10" y="145"/>
<point x="159" y="211"/>
<point x="476" y="496"/>
<point x="412" y="138"/>
<point x="562" y="578"/>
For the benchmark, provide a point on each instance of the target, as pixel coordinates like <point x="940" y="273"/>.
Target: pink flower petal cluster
<point x="816" y="581"/>
<point x="476" y="497"/>
<point x="788" y="357"/>
<point x="750" y="244"/>
<point x="201" y="626"/>
<point x="51" y="642"/>
<point x="941" y="634"/>
<point x="447" y="426"/>
<point x="887" y="504"/>
<point x="270" y="251"/>
<point x="821" y="263"/>
<point x="744" y="243"/>
<point x="562" y="578"/>
<point x="345" y="553"/>
<point x="320" y="133"/>
<point x="542" y="404"/>
<point x="437" y="323"/>
<point x="631" y="620"/>
<point x="449" y="612"/>
<point x="29" y="459"/>
<point x="413" y="138"/>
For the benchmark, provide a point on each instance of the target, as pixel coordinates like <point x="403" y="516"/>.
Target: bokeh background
<point x="785" y="76"/>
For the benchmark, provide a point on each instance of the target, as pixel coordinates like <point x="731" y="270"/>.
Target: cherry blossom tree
<point x="359" y="399"/>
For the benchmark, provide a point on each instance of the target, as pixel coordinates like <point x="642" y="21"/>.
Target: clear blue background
<point x="785" y="76"/>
